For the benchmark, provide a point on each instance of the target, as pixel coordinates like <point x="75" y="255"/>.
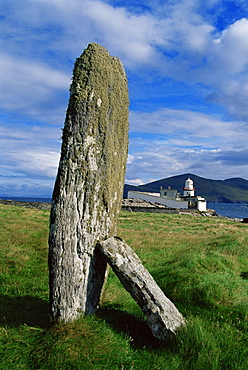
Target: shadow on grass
<point x="244" y="275"/>
<point x="137" y="330"/>
<point x="29" y="310"/>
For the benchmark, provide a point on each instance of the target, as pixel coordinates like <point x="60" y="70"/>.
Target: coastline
<point x="131" y="205"/>
<point x="37" y="205"/>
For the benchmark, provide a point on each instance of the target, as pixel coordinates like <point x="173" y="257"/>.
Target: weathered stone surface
<point x="89" y="186"/>
<point x="161" y="314"/>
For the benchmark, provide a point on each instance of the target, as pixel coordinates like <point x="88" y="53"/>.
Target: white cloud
<point x="173" y="39"/>
<point x="28" y="86"/>
<point x="184" y="141"/>
<point x="37" y="162"/>
<point x="30" y="152"/>
<point x="167" y="161"/>
<point x="134" y="182"/>
<point x="233" y="42"/>
<point x="193" y="128"/>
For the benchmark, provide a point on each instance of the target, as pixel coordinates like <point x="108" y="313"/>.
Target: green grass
<point x="200" y="263"/>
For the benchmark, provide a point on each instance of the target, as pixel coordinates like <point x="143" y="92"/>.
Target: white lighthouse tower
<point x="189" y="190"/>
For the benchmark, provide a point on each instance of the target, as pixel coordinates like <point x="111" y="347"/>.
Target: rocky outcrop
<point x="89" y="186"/>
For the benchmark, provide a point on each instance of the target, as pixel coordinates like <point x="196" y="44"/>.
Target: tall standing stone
<point x="89" y="185"/>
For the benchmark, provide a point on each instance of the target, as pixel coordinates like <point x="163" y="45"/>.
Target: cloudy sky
<point x="186" y="62"/>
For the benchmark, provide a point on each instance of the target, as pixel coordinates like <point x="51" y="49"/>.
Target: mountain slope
<point x="229" y="190"/>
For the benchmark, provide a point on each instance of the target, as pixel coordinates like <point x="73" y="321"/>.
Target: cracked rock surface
<point x="89" y="185"/>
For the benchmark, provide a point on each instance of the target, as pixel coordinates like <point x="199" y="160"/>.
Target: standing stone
<point x="89" y="185"/>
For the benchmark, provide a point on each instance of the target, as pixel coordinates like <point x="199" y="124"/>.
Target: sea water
<point x="233" y="210"/>
<point x="28" y="199"/>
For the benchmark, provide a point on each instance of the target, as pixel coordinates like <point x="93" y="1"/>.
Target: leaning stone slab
<point x="162" y="316"/>
<point x="89" y="185"/>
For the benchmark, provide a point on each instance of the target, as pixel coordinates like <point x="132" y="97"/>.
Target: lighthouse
<point x="189" y="190"/>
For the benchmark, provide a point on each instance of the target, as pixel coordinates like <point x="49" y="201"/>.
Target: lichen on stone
<point x="89" y="186"/>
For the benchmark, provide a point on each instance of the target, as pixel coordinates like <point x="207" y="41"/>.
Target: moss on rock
<point x="89" y="186"/>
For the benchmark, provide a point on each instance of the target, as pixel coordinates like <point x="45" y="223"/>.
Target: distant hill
<point x="234" y="190"/>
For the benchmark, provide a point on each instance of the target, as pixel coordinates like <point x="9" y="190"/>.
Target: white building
<point x="189" y="190"/>
<point x="169" y="193"/>
<point x="194" y="201"/>
<point x="201" y="204"/>
<point x="171" y="198"/>
<point x="156" y="198"/>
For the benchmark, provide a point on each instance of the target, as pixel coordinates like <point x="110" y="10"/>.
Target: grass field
<point x="201" y="264"/>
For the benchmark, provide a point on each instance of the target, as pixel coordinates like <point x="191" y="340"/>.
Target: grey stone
<point x="162" y="316"/>
<point x="89" y="185"/>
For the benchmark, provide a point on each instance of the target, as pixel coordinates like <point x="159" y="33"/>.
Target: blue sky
<point x="186" y="62"/>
